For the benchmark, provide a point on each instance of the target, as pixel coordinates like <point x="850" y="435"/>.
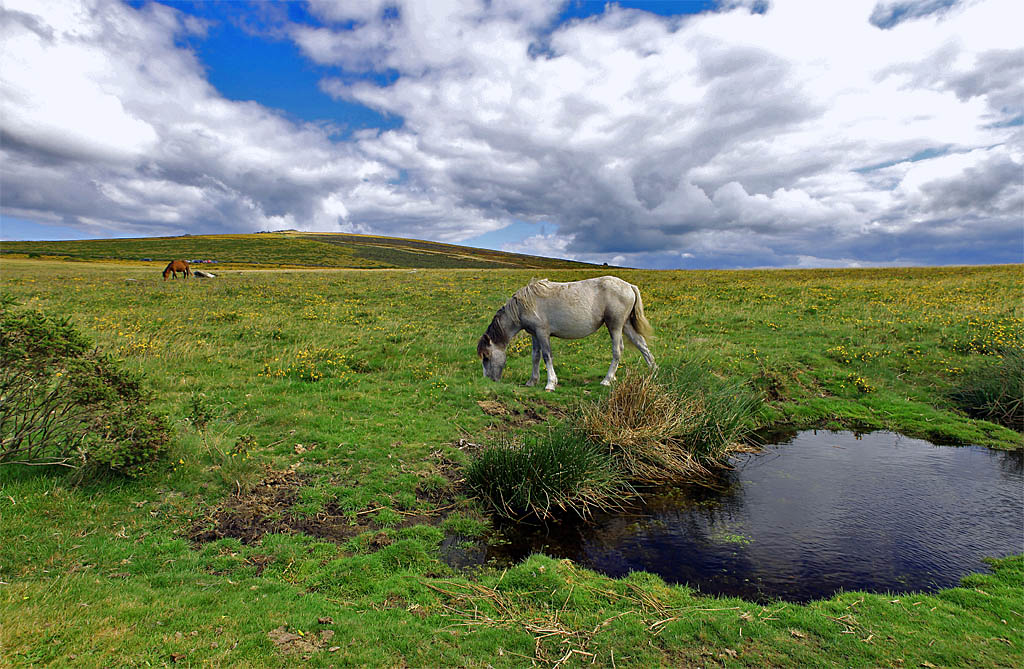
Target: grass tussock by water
<point x="644" y="431"/>
<point x="995" y="390"/>
<point x="541" y="476"/>
<point x="673" y="426"/>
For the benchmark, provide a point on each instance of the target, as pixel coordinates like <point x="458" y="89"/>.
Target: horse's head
<point x="492" y="356"/>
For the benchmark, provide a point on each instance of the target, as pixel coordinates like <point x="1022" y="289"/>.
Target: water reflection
<point x="823" y="512"/>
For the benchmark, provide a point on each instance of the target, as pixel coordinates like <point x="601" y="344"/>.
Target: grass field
<point x="321" y="422"/>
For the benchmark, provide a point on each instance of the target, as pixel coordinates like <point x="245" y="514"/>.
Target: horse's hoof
<point x="549" y="388"/>
<point x="605" y="382"/>
<point x="530" y="384"/>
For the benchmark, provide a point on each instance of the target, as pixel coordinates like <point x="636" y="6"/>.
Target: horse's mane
<point x="526" y="295"/>
<point x="497" y="333"/>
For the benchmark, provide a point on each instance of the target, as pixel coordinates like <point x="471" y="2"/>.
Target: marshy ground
<point x="352" y="391"/>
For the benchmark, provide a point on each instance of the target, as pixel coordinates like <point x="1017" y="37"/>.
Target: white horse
<point x="570" y="311"/>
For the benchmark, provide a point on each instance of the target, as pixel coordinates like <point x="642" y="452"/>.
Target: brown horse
<point x="176" y="266"/>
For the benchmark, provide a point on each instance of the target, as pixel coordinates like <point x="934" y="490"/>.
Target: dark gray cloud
<point x="993" y="185"/>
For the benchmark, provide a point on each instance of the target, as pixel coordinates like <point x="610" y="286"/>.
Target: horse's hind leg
<point x="616" y="334"/>
<point x="640" y="343"/>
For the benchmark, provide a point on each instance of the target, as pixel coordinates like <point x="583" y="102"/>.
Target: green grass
<point x="560" y="471"/>
<point x="105" y="574"/>
<point x="994" y="390"/>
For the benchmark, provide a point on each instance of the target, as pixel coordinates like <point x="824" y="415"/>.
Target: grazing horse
<point x="176" y="266"/>
<point x="570" y="311"/>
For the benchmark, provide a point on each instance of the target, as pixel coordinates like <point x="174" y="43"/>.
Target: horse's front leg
<point x="535" y="375"/>
<point x="544" y="342"/>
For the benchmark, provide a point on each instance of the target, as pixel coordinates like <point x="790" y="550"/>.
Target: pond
<point x="822" y="512"/>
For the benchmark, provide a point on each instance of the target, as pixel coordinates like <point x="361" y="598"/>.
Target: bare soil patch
<point x="537" y="411"/>
<point x="267" y="509"/>
<point x="305" y="645"/>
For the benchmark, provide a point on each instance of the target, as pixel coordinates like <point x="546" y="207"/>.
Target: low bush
<point x="64" y="403"/>
<point x="541" y="476"/>
<point x="994" y="391"/>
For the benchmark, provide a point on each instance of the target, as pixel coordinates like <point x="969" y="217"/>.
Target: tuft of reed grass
<point x="546" y="475"/>
<point x="995" y="390"/>
<point x="641" y="425"/>
<point x="728" y="410"/>
<point x="673" y="425"/>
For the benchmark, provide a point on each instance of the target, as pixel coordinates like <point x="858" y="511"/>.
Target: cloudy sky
<point x="780" y="133"/>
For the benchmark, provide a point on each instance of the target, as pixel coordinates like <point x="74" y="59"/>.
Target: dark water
<point x="822" y="512"/>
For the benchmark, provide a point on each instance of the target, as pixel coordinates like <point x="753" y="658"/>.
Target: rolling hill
<point x="287" y="249"/>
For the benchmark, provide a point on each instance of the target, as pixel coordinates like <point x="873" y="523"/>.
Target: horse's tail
<point x="188" y="270"/>
<point x="637" y="318"/>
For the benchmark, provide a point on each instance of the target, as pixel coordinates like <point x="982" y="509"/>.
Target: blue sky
<point x="740" y="133"/>
<point x="245" y="60"/>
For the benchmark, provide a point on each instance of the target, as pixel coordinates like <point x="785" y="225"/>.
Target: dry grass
<point x="561" y="636"/>
<point x="642" y="424"/>
<point x="670" y="432"/>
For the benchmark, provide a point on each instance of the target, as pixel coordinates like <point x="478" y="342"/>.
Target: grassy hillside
<point x="321" y="422"/>
<point x="292" y="249"/>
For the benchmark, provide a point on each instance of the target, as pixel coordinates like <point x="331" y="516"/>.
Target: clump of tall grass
<point x="672" y="426"/>
<point x="995" y="390"/>
<point x="729" y="409"/>
<point x="544" y="475"/>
